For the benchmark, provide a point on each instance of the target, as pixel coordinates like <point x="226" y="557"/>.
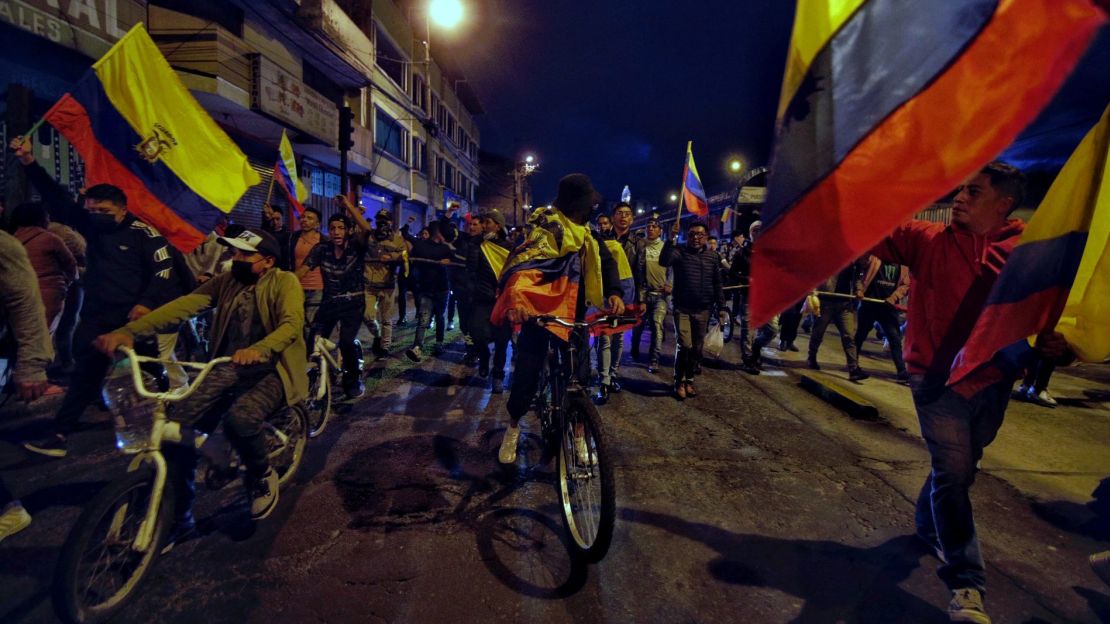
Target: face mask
<point x="241" y="271"/>
<point x="384" y="231"/>
<point x="103" y="222"/>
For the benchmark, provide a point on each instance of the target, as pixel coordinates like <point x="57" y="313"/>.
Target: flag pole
<point x="270" y="193"/>
<point x="682" y="188"/>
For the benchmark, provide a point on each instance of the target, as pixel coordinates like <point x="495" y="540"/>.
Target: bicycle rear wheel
<point x="318" y="404"/>
<point x="98" y="570"/>
<point x="286" y="437"/>
<point x="585" y="480"/>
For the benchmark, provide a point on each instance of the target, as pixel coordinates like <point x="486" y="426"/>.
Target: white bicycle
<point x="323" y="374"/>
<point x="122" y="530"/>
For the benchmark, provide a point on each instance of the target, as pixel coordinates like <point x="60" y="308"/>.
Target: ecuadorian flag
<point x="285" y="172"/>
<point x="1058" y="276"/>
<point x="137" y="127"/>
<point x="693" y="193"/>
<point x="887" y="105"/>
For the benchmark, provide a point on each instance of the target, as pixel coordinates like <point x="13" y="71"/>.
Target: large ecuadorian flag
<point x="1058" y="276"/>
<point x="137" y="127"/>
<point x="889" y="104"/>
<point x="544" y="274"/>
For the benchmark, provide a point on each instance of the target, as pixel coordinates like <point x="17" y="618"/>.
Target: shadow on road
<point x="440" y="481"/>
<point x="837" y="582"/>
<point x="1090" y="520"/>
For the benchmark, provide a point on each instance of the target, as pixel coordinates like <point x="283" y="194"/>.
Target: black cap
<point x="249" y="240"/>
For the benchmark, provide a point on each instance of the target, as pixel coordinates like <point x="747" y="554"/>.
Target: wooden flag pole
<point x="682" y="188"/>
<point x="270" y="193"/>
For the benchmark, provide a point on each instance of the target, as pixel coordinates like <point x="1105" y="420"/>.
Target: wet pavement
<point x="754" y="502"/>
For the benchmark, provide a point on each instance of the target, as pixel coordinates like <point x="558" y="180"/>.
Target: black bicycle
<point x="573" y="432"/>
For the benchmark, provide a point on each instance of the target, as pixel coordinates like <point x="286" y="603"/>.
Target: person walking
<point x="386" y="256"/>
<point x="483" y="265"/>
<point x="654" y="292"/>
<point x="697" y="288"/>
<point x="891" y="283"/>
<point x="54" y="265"/>
<point x="840" y="311"/>
<point x="430" y="257"/>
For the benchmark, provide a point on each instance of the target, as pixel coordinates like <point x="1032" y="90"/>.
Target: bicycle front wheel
<point x="99" y="569"/>
<point x="318" y="403"/>
<point x="286" y="436"/>
<point x="585" y="480"/>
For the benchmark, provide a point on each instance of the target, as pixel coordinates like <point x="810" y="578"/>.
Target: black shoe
<point x="602" y="396"/>
<point x="354" y="390"/>
<point x="378" y="350"/>
<point x="792" y="347"/>
<point x="750" y="368"/>
<point x="470" y="359"/>
<point x="782" y="346"/>
<point x="483" y="369"/>
<point x="614" y="386"/>
<point x="653" y="368"/>
<point x="903" y="377"/>
<point x="812" y="364"/>
<point x="49" y="445"/>
<point x="857" y="374"/>
<point x="497" y="386"/>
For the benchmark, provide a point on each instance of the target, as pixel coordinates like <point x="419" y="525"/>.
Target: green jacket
<point x="280" y="303"/>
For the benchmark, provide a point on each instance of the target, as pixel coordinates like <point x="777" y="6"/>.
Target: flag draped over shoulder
<point x="285" y="172"/>
<point x="137" y="127"/>
<point x="628" y="294"/>
<point x="1060" y="268"/>
<point x="887" y="105"/>
<point x="693" y="193"/>
<point x="543" y="275"/>
<point x="496" y="255"/>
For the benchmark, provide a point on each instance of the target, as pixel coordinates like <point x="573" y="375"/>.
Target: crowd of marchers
<point x="82" y="277"/>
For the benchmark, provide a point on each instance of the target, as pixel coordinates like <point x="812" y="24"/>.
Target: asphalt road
<point x="754" y="502"/>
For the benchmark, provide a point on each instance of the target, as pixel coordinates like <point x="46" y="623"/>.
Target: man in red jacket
<point x="953" y="269"/>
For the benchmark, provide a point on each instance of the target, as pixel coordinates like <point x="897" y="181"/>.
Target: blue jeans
<point x="610" y="348"/>
<point x="655" y="312"/>
<point x="956" y="430"/>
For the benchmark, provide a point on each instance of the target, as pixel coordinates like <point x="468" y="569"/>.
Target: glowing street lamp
<point x="735" y="166"/>
<point x="445" y="13"/>
<point x="674" y="197"/>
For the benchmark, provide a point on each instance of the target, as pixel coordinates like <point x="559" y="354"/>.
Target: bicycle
<point x="571" y="428"/>
<point x="323" y="368"/>
<point x="120" y="533"/>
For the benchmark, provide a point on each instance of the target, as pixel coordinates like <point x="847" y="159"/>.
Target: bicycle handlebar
<point x="172" y="395"/>
<point x="611" y="321"/>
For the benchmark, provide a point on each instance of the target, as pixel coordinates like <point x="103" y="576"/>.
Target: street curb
<point x="837" y="395"/>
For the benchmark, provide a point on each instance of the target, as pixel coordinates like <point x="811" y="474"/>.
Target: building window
<point x="389" y="58"/>
<point x="389" y="136"/>
<point x="419" y="93"/>
<point x="419" y="155"/>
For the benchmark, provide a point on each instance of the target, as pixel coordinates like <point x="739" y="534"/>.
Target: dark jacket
<point x="430" y="276"/>
<point x="483" y="281"/>
<point x="131" y="264"/>
<point x="740" y="267"/>
<point x="697" y="278"/>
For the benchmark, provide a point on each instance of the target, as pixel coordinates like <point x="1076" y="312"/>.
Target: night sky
<point x="615" y="88"/>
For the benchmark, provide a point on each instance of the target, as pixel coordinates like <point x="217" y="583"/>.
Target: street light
<point x="674" y="197"/>
<point x="735" y="166"/>
<point x="529" y="159"/>
<point x="446" y="13"/>
<point x="524" y="168"/>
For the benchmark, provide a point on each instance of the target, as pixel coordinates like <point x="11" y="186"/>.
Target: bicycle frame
<point x="323" y="349"/>
<point x="161" y="430"/>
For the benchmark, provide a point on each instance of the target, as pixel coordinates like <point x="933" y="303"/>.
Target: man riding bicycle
<point x="259" y="323"/>
<point x="558" y="270"/>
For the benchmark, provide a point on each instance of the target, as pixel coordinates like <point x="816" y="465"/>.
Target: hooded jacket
<point x="953" y="271"/>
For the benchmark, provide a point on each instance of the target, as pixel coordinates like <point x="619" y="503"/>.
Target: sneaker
<point x="812" y="364"/>
<point x="653" y="368"/>
<point x="49" y="445"/>
<point x="507" y="453"/>
<point x="1021" y="393"/>
<point x="614" y="385"/>
<point x="1100" y="563"/>
<point x="691" y="391"/>
<point x="602" y="396"/>
<point x="497" y="386"/>
<point x="1042" y="398"/>
<point x="858" y="374"/>
<point x="414" y="354"/>
<point x="782" y="346"/>
<point x="903" y="376"/>
<point x="355" y="390"/>
<point x="750" y="368"/>
<point x="264" y="495"/>
<point x="967" y="606"/>
<point x="680" y="390"/>
<point x="14" y="519"/>
<point x="483" y="369"/>
<point x="450" y="325"/>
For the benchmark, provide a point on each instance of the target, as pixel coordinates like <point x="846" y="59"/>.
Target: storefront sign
<point x="89" y="26"/>
<point x="752" y="195"/>
<point x="278" y="93"/>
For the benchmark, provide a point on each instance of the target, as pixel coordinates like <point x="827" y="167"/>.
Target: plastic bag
<point x="714" y="342"/>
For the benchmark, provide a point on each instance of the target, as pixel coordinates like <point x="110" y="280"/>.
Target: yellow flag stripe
<point x="815" y="23"/>
<point x="148" y="94"/>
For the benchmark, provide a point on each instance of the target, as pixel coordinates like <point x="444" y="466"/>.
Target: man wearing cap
<point x="575" y="202"/>
<point x="483" y="295"/>
<point x="341" y="260"/>
<point x="654" y="290"/>
<point x="386" y="253"/>
<point x="259" y="323"/>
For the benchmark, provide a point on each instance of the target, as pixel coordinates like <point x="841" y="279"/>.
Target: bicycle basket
<point x="132" y="415"/>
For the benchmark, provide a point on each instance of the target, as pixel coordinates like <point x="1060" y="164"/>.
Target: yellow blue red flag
<point x="1059" y="273"/>
<point x="875" y="119"/>
<point x="693" y="193"/>
<point x="138" y="127"/>
<point x="285" y="172"/>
